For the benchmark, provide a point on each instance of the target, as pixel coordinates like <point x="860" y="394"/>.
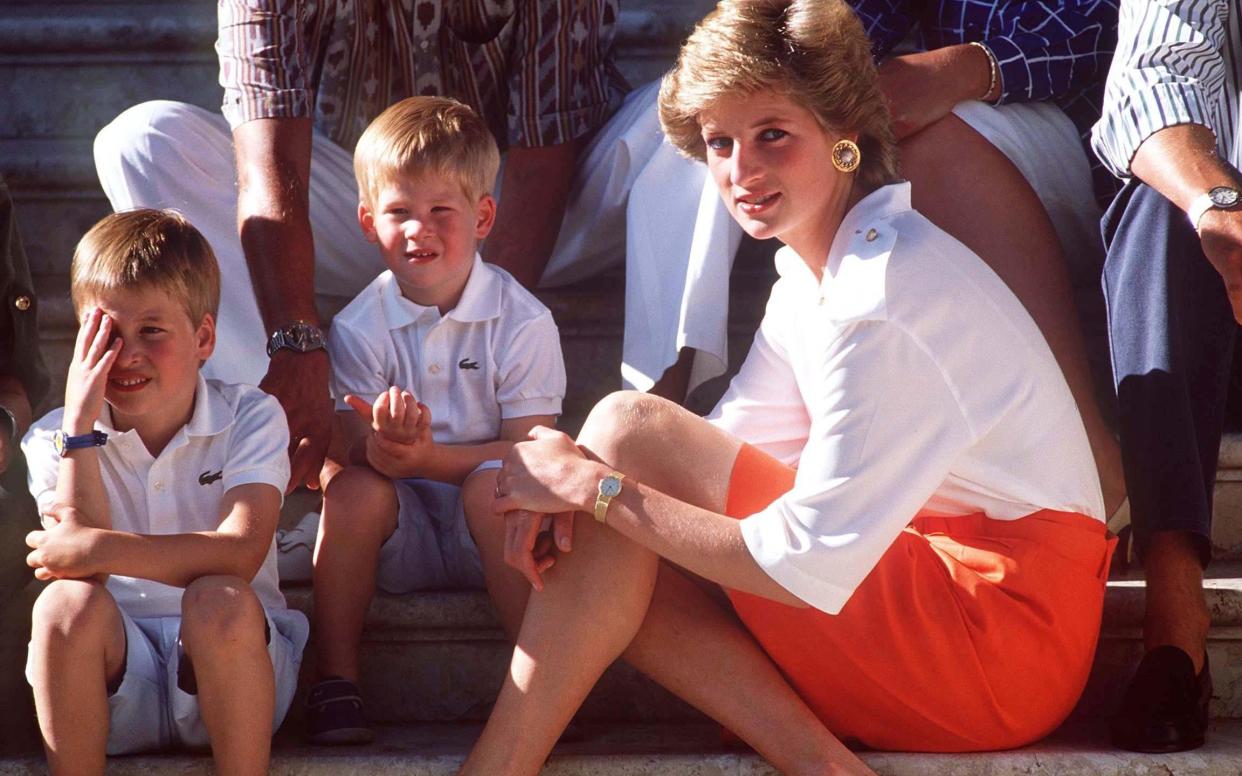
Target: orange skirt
<point x="969" y="634"/>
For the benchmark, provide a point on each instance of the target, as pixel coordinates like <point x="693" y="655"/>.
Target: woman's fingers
<point x="521" y="531"/>
<point x="563" y="530"/>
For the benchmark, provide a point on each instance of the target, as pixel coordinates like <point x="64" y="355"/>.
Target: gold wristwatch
<point x="609" y="488"/>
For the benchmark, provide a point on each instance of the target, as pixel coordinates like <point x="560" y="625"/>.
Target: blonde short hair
<point x="427" y="134"/>
<point x="813" y="51"/>
<point x="147" y="248"/>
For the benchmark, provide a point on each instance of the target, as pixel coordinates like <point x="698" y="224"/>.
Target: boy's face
<point x="772" y="161"/>
<point x="428" y="231"/>
<point x="153" y="380"/>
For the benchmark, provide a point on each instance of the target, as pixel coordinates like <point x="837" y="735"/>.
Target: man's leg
<point x="171" y="155"/>
<point x="18" y="517"/>
<point x="1171" y="332"/>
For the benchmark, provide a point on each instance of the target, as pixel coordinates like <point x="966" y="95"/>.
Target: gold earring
<point x="846" y="155"/>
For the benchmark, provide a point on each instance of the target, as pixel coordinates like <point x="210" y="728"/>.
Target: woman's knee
<point x="218" y="610"/>
<point x="621" y="421"/>
<point x="79" y="609"/>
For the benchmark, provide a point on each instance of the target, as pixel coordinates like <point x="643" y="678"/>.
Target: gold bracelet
<point x="993" y="70"/>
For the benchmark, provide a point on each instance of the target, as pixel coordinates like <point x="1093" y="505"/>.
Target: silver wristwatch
<point x="299" y="336"/>
<point x="1218" y="198"/>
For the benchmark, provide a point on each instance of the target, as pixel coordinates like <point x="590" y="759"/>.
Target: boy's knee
<point x="72" y="607"/>
<point x="219" y="610"/>
<point x="358" y="496"/>
<point x="478" y="493"/>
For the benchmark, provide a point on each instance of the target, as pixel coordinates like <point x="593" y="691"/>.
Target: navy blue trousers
<point x="1171" y="333"/>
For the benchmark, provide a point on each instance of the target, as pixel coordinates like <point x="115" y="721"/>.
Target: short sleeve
<point x="886" y="23"/>
<point x="885" y="432"/>
<point x="260" y="45"/>
<point x="561" y="82"/>
<point x="531" y="373"/>
<point x="258" y="443"/>
<point x="763" y="405"/>
<point x="42" y="462"/>
<point x="356" y="368"/>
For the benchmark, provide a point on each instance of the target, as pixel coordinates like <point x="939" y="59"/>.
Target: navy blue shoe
<point x="334" y="714"/>
<point x="1165" y="708"/>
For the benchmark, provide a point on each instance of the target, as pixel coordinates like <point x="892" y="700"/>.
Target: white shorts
<point x="431" y="548"/>
<point x="156" y="705"/>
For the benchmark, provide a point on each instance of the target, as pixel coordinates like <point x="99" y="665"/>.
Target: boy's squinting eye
<point x="151" y="330"/>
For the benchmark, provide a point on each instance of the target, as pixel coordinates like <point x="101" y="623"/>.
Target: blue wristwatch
<point x="64" y="443"/>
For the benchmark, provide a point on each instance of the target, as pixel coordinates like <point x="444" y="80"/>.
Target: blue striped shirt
<point x="1178" y="62"/>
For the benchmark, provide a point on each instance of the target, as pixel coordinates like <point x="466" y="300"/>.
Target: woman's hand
<point x="548" y="475"/>
<point x="922" y="88"/>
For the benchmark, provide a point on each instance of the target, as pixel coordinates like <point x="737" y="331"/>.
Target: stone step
<point x="686" y="750"/>
<point x="440" y="656"/>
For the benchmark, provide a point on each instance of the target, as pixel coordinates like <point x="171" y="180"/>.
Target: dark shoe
<point x="1165" y="708"/>
<point x="334" y="714"/>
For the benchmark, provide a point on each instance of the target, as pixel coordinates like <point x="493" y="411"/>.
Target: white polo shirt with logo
<point x="495" y="356"/>
<point x="237" y="435"/>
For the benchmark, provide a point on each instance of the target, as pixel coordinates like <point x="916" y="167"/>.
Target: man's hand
<point x="922" y="88"/>
<point x="65" y="549"/>
<point x="1221" y="234"/>
<point x="94" y="353"/>
<point x="299" y="381"/>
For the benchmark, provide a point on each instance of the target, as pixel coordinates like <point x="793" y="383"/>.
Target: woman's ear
<point x="485" y="216"/>
<point x="366" y="220"/>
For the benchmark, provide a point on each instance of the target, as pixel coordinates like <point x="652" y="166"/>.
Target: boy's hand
<point x="94" y="353"/>
<point x="66" y="549"/>
<point x="403" y="459"/>
<point x="395" y="415"/>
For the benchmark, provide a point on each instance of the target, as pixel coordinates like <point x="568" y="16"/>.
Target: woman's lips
<point x="754" y="204"/>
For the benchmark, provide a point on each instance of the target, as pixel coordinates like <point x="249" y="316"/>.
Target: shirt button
<point x="434" y="369"/>
<point x="871" y="235"/>
<point x="159" y="484"/>
<point x="22" y="303"/>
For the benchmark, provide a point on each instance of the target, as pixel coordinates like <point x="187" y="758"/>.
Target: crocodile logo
<point x="208" y="477"/>
<point x="466" y="363"/>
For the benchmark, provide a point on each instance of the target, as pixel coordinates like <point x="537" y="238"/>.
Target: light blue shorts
<point x="431" y="548"/>
<point x="150" y="711"/>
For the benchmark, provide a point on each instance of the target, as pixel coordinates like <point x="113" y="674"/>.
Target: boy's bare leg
<point x="77" y="648"/>
<point x="609" y="597"/>
<point x="359" y="513"/>
<point x="222" y="630"/>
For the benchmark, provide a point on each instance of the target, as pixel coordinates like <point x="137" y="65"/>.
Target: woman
<point x="929" y="577"/>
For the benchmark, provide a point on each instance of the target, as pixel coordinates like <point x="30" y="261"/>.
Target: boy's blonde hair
<point x="813" y="51"/>
<point x="147" y="248"/>
<point x="427" y="134"/>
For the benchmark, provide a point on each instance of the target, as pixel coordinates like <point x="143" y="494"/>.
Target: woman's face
<point x="772" y="161"/>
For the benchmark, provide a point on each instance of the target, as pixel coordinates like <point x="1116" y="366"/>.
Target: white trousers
<point x="172" y="155"/>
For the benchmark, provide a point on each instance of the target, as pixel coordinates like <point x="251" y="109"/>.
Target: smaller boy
<point x="160" y="492"/>
<point x="439" y="325"/>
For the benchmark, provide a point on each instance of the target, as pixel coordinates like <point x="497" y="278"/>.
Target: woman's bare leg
<point x="609" y="597"/>
<point x="1006" y="225"/>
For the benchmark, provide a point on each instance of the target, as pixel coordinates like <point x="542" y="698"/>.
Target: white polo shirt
<point x="495" y="356"/>
<point x="909" y="379"/>
<point x="237" y="435"/>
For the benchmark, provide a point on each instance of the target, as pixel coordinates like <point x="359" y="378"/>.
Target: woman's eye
<point x="719" y="143"/>
<point x="772" y="134"/>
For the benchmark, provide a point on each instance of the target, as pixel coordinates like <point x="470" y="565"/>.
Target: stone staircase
<point x="432" y="662"/>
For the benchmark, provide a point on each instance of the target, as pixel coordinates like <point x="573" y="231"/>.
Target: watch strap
<point x="604" y="498"/>
<point x="64" y="442"/>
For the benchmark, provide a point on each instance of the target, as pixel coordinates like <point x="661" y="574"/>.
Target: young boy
<point x="160" y="491"/>
<point x="439" y="365"/>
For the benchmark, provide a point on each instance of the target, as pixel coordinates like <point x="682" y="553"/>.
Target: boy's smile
<point x="428" y="231"/>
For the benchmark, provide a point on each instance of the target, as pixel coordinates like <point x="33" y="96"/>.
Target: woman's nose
<point x="746" y="166"/>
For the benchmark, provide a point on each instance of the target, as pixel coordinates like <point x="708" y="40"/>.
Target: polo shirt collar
<point x="212" y="414"/>
<point x="480" y="299"/>
<point x="853" y="283"/>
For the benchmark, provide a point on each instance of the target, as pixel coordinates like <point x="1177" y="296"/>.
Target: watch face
<point x="1223" y="196"/>
<point x="610" y="486"/>
<point x="58" y="441"/>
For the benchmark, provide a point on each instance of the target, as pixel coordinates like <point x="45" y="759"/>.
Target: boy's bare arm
<point x="70" y="549"/>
